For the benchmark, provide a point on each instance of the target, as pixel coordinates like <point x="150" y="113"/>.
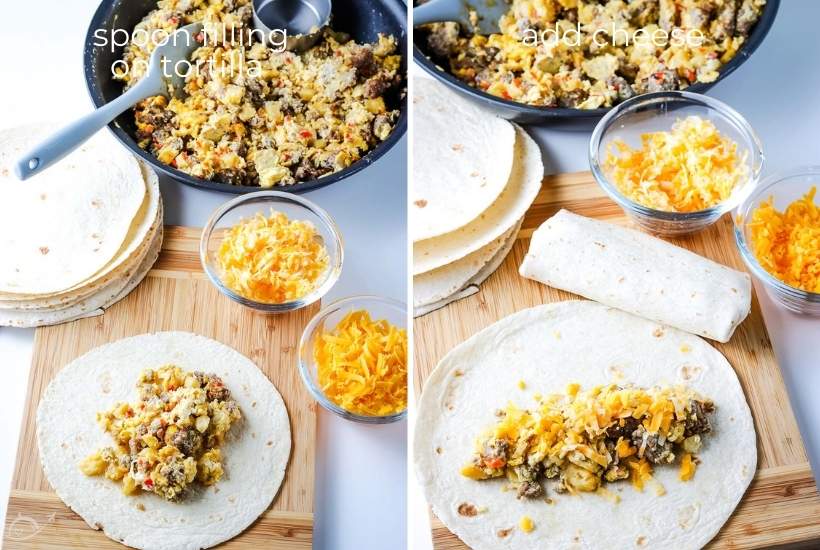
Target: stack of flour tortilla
<point x="475" y="175"/>
<point x="79" y="236"/>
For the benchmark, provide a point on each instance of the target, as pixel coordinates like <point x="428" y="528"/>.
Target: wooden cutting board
<point x="782" y="505"/>
<point x="174" y="296"/>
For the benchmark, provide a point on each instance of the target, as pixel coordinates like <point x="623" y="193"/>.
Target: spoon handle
<point x="61" y="143"/>
<point x="435" y="11"/>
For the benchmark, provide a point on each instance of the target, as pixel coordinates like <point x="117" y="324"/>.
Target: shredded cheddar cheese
<point x="787" y="244"/>
<point x="526" y="524"/>
<point x="690" y="168"/>
<point x="687" y="468"/>
<point x="362" y="365"/>
<point x="272" y="259"/>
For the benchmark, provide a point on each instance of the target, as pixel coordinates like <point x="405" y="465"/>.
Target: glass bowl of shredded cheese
<point x="353" y="359"/>
<point x="675" y="161"/>
<point x="777" y="230"/>
<point x="271" y="251"/>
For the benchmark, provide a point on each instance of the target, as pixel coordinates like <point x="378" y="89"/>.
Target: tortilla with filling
<point x="638" y="273"/>
<point x="548" y="347"/>
<point x="255" y="453"/>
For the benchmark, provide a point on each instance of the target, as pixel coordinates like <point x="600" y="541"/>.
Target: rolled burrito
<point x="638" y="273"/>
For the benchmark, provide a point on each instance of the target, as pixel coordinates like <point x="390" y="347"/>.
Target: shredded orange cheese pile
<point x="272" y="259"/>
<point x="787" y="244"/>
<point x="690" y="168"/>
<point x="362" y="365"/>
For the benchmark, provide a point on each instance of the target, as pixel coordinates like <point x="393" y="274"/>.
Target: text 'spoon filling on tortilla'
<point x="586" y="438"/>
<point x="273" y="259"/>
<point x="170" y="437"/>
<point x="692" y="167"/>
<point x="787" y="244"/>
<point x="362" y="365"/>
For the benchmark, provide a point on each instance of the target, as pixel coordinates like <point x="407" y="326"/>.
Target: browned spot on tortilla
<point x="98" y="526"/>
<point x="95" y="203"/>
<point x="269" y="443"/>
<point x="734" y="290"/>
<point x="622" y="279"/>
<point x="640" y="541"/>
<point x="64" y="445"/>
<point x="503" y="533"/>
<point x="42" y="196"/>
<point x="439" y="450"/>
<point x="5" y="172"/>
<point x="658" y="332"/>
<point x="421" y="203"/>
<point x="602" y="245"/>
<point x="95" y="236"/>
<point x="232" y="499"/>
<point x="253" y="404"/>
<point x="140" y="506"/>
<point x="450" y="407"/>
<point x="467" y="510"/>
<point x="474" y="174"/>
<point x="457" y="147"/>
<point x="253" y="435"/>
<point x="458" y="372"/>
<point x="43" y="250"/>
<point x="548" y="500"/>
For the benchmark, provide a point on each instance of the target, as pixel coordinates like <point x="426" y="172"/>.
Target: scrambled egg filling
<point x="619" y="52"/>
<point x="362" y="365"/>
<point x="787" y="244"/>
<point x="585" y="438"/>
<point x="257" y="116"/>
<point x="170" y="437"/>
<point x="692" y="167"/>
<point x="273" y="259"/>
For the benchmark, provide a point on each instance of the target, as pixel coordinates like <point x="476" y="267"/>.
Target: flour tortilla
<point x="548" y="347"/>
<point x="137" y="240"/>
<point x="64" y="225"/>
<point x="437" y="288"/>
<point x="255" y="455"/>
<point x="442" y="282"/>
<point x="509" y="207"/>
<point x="463" y="156"/>
<point x="90" y="306"/>
<point x="640" y="274"/>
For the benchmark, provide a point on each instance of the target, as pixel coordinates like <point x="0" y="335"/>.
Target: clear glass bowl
<point x="658" y="112"/>
<point x="295" y="207"/>
<point x="785" y="188"/>
<point x="393" y="311"/>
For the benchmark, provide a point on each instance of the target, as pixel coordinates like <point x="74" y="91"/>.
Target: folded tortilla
<point x="638" y="273"/>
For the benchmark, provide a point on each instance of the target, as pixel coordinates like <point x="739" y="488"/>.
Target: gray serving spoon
<point x="489" y="13"/>
<point x="302" y="20"/>
<point x="160" y="78"/>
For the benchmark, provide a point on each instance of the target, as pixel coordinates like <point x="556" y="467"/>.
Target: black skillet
<point x="529" y="114"/>
<point x="363" y="20"/>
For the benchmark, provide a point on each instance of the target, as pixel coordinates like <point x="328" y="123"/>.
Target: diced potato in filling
<point x="170" y="437"/>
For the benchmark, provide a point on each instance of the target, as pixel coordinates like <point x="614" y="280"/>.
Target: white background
<point x="360" y="470"/>
<point x="778" y="91"/>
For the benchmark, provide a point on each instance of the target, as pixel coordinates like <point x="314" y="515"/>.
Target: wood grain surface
<point x="782" y="505"/>
<point x="174" y="296"/>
